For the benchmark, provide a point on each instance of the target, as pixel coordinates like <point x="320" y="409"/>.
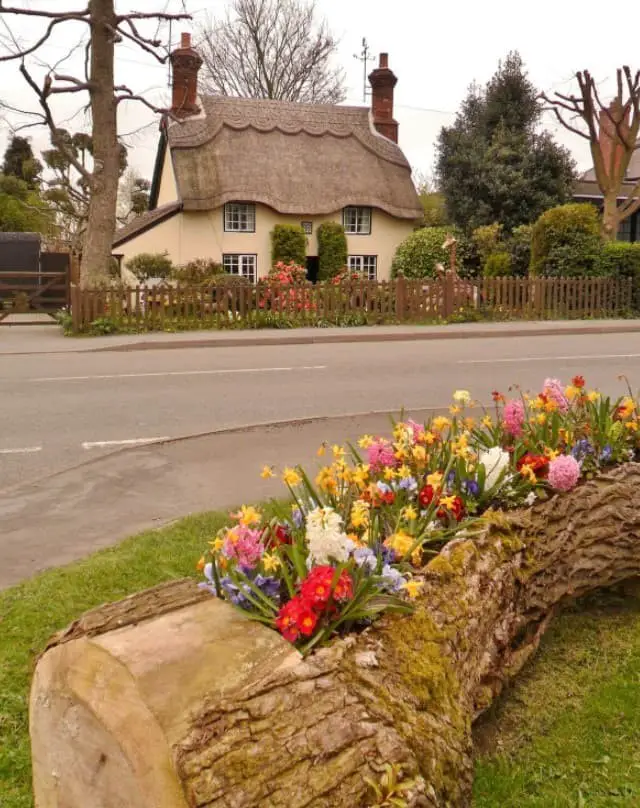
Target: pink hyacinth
<point x="564" y="473"/>
<point x="553" y="390"/>
<point x="245" y="545"/>
<point x="514" y="417"/>
<point x="416" y="428"/>
<point x="381" y="454"/>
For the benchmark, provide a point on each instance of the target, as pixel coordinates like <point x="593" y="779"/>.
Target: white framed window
<point x="243" y="265"/>
<point x="357" y="220"/>
<point x="365" y="265"/>
<point x="240" y="217"/>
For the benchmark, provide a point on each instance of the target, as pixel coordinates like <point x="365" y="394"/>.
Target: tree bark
<point x="101" y="223"/>
<point x="406" y="690"/>
<point x="610" y="216"/>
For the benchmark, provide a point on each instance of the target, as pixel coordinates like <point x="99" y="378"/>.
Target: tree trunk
<point x="101" y="223"/>
<point x="610" y="216"/>
<point x="405" y="691"/>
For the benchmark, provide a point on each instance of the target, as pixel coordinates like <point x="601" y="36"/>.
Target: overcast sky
<point x="435" y="49"/>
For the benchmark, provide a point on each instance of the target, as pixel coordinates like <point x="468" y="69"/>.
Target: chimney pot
<point x="383" y="80"/>
<point x="185" y="63"/>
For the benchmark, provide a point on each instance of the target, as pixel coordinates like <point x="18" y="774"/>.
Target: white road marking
<point x="25" y="450"/>
<point x="520" y="359"/>
<point x="174" y="373"/>
<point x="101" y="444"/>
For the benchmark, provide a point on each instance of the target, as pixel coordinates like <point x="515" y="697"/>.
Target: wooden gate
<point x="40" y="292"/>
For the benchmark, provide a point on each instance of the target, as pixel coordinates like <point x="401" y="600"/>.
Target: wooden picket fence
<point x="232" y="304"/>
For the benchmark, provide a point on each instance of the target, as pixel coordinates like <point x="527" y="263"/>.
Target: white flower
<point x="462" y="396"/>
<point x="495" y="461"/>
<point x="530" y="498"/>
<point x="325" y="538"/>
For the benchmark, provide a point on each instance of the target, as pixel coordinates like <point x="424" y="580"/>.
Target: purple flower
<point x="606" y="454"/>
<point x="365" y="557"/>
<point x="236" y="594"/>
<point x="269" y="585"/>
<point x="471" y="487"/>
<point x="392" y="580"/>
<point x="298" y="517"/>
<point x="408" y="484"/>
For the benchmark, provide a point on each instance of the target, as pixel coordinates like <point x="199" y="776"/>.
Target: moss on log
<point x="308" y="732"/>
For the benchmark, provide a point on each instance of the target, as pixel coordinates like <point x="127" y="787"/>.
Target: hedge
<point x="566" y="242"/>
<point x="419" y="253"/>
<point x="288" y="244"/>
<point x="332" y="250"/>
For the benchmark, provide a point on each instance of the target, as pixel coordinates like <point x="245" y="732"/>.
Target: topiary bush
<point x="198" y="271"/>
<point x="332" y="250"/>
<point x="566" y="242"/>
<point x="419" y="253"/>
<point x="519" y="247"/>
<point x="487" y="240"/>
<point x="497" y="265"/>
<point x="150" y="265"/>
<point x="288" y="244"/>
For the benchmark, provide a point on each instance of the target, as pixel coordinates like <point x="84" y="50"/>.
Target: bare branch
<point x="56" y="15"/>
<point x="152" y="15"/>
<point x="20" y="54"/>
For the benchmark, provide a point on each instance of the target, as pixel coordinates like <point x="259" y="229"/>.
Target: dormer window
<point x="357" y="220"/>
<point x="240" y="217"/>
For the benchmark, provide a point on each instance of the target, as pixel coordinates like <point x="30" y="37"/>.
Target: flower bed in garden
<point x="352" y="544"/>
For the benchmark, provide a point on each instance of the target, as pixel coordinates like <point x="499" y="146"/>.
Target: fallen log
<point x="172" y="699"/>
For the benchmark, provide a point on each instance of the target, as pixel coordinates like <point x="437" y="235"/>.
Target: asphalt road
<point x="59" y="410"/>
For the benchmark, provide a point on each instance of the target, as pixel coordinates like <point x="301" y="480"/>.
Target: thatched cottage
<point x="229" y="169"/>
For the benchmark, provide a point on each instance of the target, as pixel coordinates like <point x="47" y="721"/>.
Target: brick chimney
<point x="186" y="63"/>
<point x="383" y="80"/>
<point x="609" y="140"/>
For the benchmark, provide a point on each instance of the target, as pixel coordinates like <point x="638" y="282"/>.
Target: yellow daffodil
<point x="571" y="392"/>
<point x="338" y="451"/>
<point x="632" y="426"/>
<point x="440" y="423"/>
<point x="356" y="540"/>
<point x="410" y="513"/>
<point x="404" y="471"/>
<point x="447" y="502"/>
<point x="434" y="479"/>
<point x="271" y="562"/>
<point x="416" y="557"/>
<point x="326" y="480"/>
<point x="389" y="474"/>
<point x="541" y="418"/>
<point x="322" y="449"/>
<point x="419" y="453"/>
<point x="551" y="405"/>
<point x="626" y="408"/>
<point x="200" y="564"/>
<point x="487" y="421"/>
<point x="400" y="454"/>
<point x="469" y="423"/>
<point x="462" y="396"/>
<point x="593" y="395"/>
<point x="413" y="588"/>
<point x="267" y="472"/>
<point x="365" y="441"/>
<point x="454" y="409"/>
<point x="216" y="544"/>
<point x="529" y="474"/>
<point x="551" y="453"/>
<point x="248" y="516"/>
<point x="428" y="437"/>
<point x="400" y="542"/>
<point x="360" y="514"/>
<point x="291" y="477"/>
<point x="360" y="476"/>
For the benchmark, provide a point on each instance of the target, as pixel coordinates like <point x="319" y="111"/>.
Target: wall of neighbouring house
<point x="168" y="191"/>
<point x="200" y="234"/>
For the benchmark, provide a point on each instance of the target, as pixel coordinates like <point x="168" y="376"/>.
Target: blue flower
<point x="235" y="594"/>
<point x="606" y="454"/>
<point x="471" y="487"/>
<point x="451" y="477"/>
<point x="582" y="449"/>
<point x="383" y="487"/>
<point x="408" y="484"/>
<point x="298" y="517"/>
<point x="392" y="580"/>
<point x="365" y="557"/>
<point x="269" y="585"/>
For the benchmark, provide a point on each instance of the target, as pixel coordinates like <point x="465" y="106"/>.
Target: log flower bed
<point x="416" y="575"/>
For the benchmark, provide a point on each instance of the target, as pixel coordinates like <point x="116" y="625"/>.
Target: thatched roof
<point x="300" y="159"/>
<point x="144" y="222"/>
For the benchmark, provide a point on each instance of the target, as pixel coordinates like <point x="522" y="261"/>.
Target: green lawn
<point x="569" y="732"/>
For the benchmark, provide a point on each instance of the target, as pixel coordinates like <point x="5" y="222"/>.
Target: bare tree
<point x="612" y="131"/>
<point x="271" y="49"/>
<point x="104" y="28"/>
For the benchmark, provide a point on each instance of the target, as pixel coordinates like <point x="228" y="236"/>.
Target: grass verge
<point x="567" y="735"/>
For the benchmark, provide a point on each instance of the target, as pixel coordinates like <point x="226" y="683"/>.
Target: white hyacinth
<point x="325" y="537"/>
<point x="495" y="461"/>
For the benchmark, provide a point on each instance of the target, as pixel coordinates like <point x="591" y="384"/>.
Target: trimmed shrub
<point x="198" y="271"/>
<point x="566" y="242"/>
<point x="497" y="265"/>
<point x="419" y="253"/>
<point x="288" y="244"/>
<point x="621" y="259"/>
<point x="332" y="250"/>
<point x="487" y="240"/>
<point x="519" y="246"/>
<point x="150" y="265"/>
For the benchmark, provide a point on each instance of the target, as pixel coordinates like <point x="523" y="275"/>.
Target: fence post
<point x="449" y="294"/>
<point x="401" y="297"/>
<point x="74" y="298"/>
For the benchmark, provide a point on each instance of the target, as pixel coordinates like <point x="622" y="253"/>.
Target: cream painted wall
<point x="200" y="234"/>
<point x="168" y="191"/>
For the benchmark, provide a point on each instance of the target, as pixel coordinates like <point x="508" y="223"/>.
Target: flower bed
<point x="352" y="544"/>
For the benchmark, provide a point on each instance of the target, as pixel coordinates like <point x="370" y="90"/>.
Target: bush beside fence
<point x="268" y="304"/>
